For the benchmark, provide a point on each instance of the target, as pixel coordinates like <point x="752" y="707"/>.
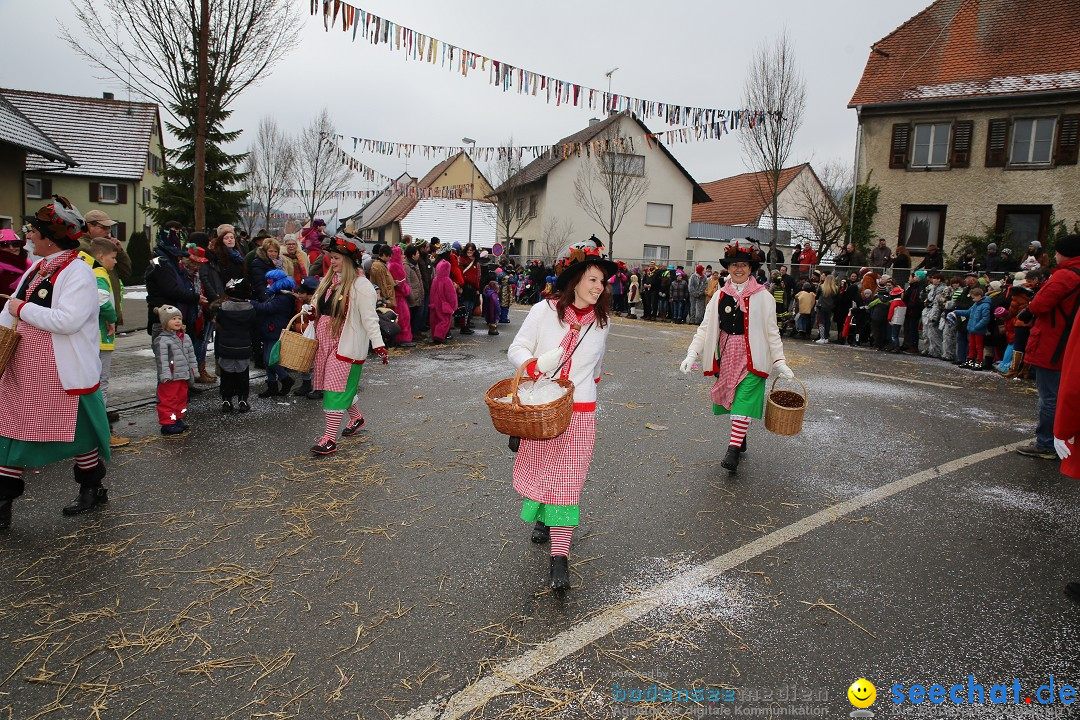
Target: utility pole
<point x="199" y="182"/>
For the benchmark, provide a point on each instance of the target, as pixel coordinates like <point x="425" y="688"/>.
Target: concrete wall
<point x="667" y="185"/>
<point x="972" y="194"/>
<point x="12" y="162"/>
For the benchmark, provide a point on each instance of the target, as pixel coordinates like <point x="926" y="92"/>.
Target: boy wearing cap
<point x="103" y="253"/>
<point x="99" y="227"/>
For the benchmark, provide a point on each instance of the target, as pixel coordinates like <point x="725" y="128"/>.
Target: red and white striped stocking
<point x="560" y="540"/>
<point x="87" y="461"/>
<point x="739" y="425"/>
<point x="333" y="424"/>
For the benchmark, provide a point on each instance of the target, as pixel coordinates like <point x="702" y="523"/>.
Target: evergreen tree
<point x="175" y="196"/>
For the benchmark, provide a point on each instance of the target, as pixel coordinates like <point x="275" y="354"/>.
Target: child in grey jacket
<point x="176" y="369"/>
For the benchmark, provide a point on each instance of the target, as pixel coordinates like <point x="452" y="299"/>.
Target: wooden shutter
<point x="960" y="155"/>
<point x="901" y="140"/>
<point x="997" y="143"/>
<point x="119" y="231"/>
<point x="95" y="192"/>
<point x="46" y="188"/>
<point x="121" y="194"/>
<point x="1068" y="140"/>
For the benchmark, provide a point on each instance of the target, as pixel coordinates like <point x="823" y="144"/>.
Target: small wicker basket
<point x="297" y="351"/>
<point x="8" y="340"/>
<point x="532" y="422"/>
<point x="784" y="420"/>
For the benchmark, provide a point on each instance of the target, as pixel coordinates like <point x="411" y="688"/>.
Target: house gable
<point x="741" y="199"/>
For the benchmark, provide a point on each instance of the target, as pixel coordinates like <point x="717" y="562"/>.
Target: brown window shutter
<point x="46" y="188"/>
<point x="898" y="151"/>
<point x="95" y="192"/>
<point x="121" y="194"/>
<point x="960" y="157"/>
<point x="119" y="231"/>
<point x="997" y="143"/>
<point x="1068" y="140"/>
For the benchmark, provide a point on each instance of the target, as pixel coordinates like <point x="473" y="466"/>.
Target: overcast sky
<point x="692" y="53"/>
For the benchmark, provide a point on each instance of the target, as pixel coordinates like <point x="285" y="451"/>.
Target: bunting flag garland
<point x="488" y="153"/>
<point x="424" y="48"/>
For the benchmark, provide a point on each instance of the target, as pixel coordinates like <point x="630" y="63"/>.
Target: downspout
<point x="855" y="187"/>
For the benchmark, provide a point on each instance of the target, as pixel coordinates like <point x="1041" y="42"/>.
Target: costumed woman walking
<point x="345" y="322"/>
<point x="52" y="408"/>
<point x="738" y="342"/>
<point x="567" y="334"/>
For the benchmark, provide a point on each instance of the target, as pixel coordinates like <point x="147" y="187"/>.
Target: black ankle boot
<point x="90" y="496"/>
<point x="560" y="572"/>
<point x="541" y="533"/>
<point x="731" y="459"/>
<point x="5" y="513"/>
<point x="304" y="389"/>
<point x="742" y="448"/>
<point x="271" y="389"/>
<point x="286" y="385"/>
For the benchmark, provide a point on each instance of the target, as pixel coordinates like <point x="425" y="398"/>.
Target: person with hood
<point x="738" y="343"/>
<point x="680" y="297"/>
<point x="14" y="261"/>
<point x="442" y="304"/>
<point x="312" y="238"/>
<point x="345" y="323"/>
<point x="52" y="407"/>
<point x="697" y="286"/>
<point x="1054" y="309"/>
<point x="933" y="305"/>
<point x="564" y="336"/>
<point x="400" y="298"/>
<point x="1017" y="330"/>
<point x="633" y="294"/>
<point x="273" y="314"/>
<point x="167" y="282"/>
<point x="978" y="322"/>
<point x="267" y="257"/>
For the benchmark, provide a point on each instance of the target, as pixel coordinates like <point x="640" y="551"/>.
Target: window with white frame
<point x="1032" y="141"/>
<point x="689" y="256"/>
<point x="33" y="188"/>
<point x="658" y="214"/>
<point x="6" y="222"/>
<point x="931" y="147"/>
<point x="624" y="163"/>
<point x="146" y="195"/>
<point x="108" y="193"/>
<point x="656" y="252"/>
<point x="532" y="248"/>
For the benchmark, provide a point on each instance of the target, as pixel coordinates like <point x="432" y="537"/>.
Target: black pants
<point x="646" y="305"/>
<point x="234" y="385"/>
<point x="880" y="330"/>
<point x="11" y="488"/>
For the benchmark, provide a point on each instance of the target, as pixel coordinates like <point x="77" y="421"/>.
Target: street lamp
<point x="472" y="182"/>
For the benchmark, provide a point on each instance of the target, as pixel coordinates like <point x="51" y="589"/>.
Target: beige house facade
<point x="965" y="134"/>
<point x="654" y="228"/>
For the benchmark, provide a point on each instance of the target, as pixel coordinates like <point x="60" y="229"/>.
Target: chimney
<point x="593" y="121"/>
<point x="107" y="96"/>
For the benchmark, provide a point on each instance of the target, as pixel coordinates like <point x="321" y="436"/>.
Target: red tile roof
<point x="741" y="199"/>
<point x="961" y="48"/>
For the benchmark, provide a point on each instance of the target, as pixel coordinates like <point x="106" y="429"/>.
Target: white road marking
<point x="570" y="641"/>
<point x="909" y="380"/>
<point x="629" y="337"/>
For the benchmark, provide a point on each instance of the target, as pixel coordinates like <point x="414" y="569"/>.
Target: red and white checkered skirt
<point x="34" y="406"/>
<point x="554" y="471"/>
<point x="331" y="373"/>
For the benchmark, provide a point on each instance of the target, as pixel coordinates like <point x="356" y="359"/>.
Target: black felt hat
<point x="737" y="252"/>
<point x="574" y="270"/>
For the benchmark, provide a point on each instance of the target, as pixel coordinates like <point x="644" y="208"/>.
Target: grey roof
<point x="16" y="129"/>
<point x="108" y="138"/>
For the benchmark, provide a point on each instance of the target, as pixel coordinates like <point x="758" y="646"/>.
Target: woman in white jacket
<point x="567" y="334"/>
<point x="738" y="342"/>
<point x="344" y="307"/>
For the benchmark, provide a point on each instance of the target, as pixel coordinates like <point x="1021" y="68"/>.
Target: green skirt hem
<point x="550" y="515"/>
<point x="91" y="433"/>
<point x="749" y="398"/>
<point x="343" y="400"/>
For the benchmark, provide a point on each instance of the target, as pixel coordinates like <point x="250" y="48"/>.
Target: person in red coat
<point x="1054" y="310"/>
<point x="1067" y="423"/>
<point x="14" y="261"/>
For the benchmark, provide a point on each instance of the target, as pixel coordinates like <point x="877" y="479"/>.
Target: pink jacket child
<point x="402" y="292"/>
<point x="14" y="261"/>
<point x="443" y="303"/>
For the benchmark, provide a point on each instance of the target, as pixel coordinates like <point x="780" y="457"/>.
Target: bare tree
<point x="515" y="209"/>
<point x="775" y="86"/>
<point x="610" y="184"/>
<point x="251" y="212"/>
<point x="820" y="204"/>
<point x="557" y="237"/>
<point x="318" y="171"/>
<point x="274" y="155"/>
<point x="186" y="53"/>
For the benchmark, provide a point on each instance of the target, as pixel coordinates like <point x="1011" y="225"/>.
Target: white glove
<point x="1062" y="447"/>
<point x="687" y="365"/>
<point x="549" y="361"/>
<point x="307" y="309"/>
<point x="783" y="370"/>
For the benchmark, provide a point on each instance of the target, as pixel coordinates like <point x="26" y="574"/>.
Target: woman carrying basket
<point x="345" y="322"/>
<point x="567" y="334"/>
<point x="741" y="345"/>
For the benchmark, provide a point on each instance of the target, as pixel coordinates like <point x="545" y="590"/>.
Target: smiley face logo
<point x="862" y="693"/>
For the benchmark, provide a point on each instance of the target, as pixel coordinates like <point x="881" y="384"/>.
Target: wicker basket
<point x="297" y="351"/>
<point x="784" y="420"/>
<point x="8" y="340"/>
<point x="532" y="422"/>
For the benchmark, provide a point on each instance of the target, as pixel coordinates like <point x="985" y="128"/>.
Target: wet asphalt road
<point x="234" y="576"/>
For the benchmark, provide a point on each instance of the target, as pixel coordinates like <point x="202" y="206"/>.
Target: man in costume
<point x="738" y="343"/>
<point x="52" y="407"/>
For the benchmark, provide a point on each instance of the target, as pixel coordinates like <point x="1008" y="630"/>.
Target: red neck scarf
<point x="577" y="319"/>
